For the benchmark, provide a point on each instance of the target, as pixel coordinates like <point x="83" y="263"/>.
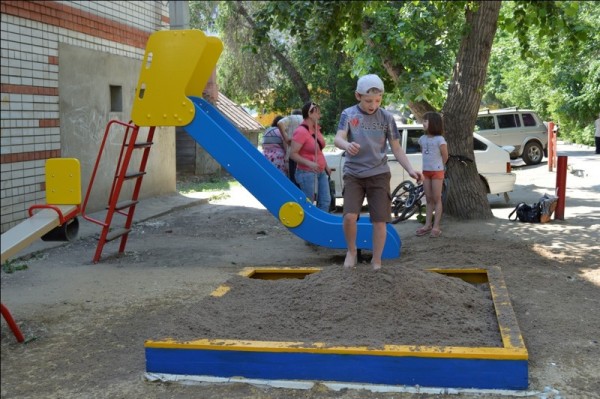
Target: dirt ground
<point x="86" y="324"/>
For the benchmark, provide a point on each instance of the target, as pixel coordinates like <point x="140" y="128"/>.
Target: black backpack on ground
<point x="527" y="213"/>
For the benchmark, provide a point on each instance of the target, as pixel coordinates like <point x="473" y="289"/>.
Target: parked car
<point x="520" y="128"/>
<point x="493" y="162"/>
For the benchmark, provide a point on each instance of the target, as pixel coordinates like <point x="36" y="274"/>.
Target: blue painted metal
<point x="221" y="139"/>
<point x="391" y="370"/>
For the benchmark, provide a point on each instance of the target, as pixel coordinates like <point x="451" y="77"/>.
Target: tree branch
<point x="286" y="65"/>
<point x="418" y="108"/>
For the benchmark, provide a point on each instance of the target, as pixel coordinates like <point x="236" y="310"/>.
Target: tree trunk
<point x="419" y="108"/>
<point x="467" y="197"/>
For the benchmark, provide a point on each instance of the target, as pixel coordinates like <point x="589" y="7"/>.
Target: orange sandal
<point x="423" y="231"/>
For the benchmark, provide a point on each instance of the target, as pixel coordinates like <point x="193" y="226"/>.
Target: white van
<point x="520" y="128"/>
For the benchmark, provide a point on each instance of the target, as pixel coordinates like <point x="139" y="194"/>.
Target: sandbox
<point x="503" y="367"/>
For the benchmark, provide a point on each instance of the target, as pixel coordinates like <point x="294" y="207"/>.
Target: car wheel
<point x="533" y="153"/>
<point x="399" y="197"/>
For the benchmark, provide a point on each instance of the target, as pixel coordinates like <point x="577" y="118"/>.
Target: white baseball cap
<point x="368" y="82"/>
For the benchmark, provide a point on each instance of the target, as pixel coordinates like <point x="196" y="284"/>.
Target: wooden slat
<point x="25" y="233"/>
<point x="125" y="204"/>
<point x="133" y="175"/>
<point x="114" y="234"/>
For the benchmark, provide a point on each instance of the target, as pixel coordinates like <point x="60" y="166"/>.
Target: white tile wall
<point x="26" y="46"/>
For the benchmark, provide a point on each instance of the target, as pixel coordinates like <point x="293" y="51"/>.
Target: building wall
<point x="59" y="60"/>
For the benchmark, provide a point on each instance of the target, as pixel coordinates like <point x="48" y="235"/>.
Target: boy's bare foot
<point x="350" y="260"/>
<point x="376" y="266"/>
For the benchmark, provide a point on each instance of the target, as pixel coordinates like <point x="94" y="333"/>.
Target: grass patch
<point x="217" y="185"/>
<point x="11" y="266"/>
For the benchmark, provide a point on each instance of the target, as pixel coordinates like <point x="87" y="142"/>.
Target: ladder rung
<point x="143" y="144"/>
<point x="125" y="204"/>
<point x="117" y="233"/>
<point x="133" y="175"/>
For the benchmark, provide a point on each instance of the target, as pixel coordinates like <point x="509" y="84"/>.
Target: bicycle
<point x="406" y="197"/>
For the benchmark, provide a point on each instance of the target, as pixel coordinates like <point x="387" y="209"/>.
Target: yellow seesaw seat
<point x="63" y="197"/>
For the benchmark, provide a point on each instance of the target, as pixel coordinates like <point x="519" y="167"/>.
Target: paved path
<point x="582" y="185"/>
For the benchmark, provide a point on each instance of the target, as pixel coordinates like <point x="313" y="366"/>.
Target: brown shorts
<point x="377" y="190"/>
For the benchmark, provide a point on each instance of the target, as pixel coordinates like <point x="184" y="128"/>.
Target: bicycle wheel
<point x="399" y="197"/>
<point x="412" y="203"/>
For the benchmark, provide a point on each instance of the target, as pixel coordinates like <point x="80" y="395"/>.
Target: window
<point x="478" y="145"/>
<point x="412" y="140"/>
<point x="508" y="121"/>
<point x="485" y="123"/>
<point x="528" y="120"/>
<point x="116" y="99"/>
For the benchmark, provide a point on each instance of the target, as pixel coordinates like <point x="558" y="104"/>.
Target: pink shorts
<point x="433" y="174"/>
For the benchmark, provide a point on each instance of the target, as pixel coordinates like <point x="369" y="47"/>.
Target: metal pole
<point x="11" y="323"/>
<point x="550" y="146"/>
<point x="561" y="185"/>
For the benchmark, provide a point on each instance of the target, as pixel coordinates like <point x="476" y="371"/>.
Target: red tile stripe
<point x="49" y="123"/>
<point x="64" y="16"/>
<point x="29" y="156"/>
<point x="24" y="89"/>
<point x="61" y="15"/>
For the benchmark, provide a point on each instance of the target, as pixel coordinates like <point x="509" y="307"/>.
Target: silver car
<point x="520" y="128"/>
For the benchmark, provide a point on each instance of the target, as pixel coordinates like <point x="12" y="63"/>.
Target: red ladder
<point x="122" y="207"/>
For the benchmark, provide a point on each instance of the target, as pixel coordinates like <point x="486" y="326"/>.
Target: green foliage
<point x="11" y="266"/>
<point x="419" y="39"/>
<point x="546" y="57"/>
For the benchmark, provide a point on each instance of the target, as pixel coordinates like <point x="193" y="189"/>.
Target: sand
<point x="340" y="307"/>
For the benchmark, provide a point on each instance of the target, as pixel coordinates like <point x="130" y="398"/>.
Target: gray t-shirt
<point x="372" y="132"/>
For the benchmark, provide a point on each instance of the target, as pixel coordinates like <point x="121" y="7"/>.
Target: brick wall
<point x="30" y="124"/>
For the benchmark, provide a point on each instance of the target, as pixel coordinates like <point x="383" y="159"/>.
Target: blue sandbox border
<point x="503" y="367"/>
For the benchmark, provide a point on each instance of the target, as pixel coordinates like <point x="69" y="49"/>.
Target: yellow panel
<point x="63" y="181"/>
<point x="177" y="65"/>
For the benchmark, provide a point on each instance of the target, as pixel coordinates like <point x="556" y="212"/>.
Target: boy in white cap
<point x="363" y="131"/>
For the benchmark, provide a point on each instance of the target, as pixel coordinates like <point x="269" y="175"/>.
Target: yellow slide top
<point x="177" y="65"/>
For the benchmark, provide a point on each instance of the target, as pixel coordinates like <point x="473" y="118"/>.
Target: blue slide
<point x="217" y="135"/>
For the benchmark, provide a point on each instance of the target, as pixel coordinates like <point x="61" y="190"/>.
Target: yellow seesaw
<point x="55" y="221"/>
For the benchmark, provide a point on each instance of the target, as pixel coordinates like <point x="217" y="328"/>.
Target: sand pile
<point x="395" y="305"/>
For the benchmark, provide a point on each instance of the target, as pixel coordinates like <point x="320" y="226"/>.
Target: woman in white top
<point x="435" y="154"/>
